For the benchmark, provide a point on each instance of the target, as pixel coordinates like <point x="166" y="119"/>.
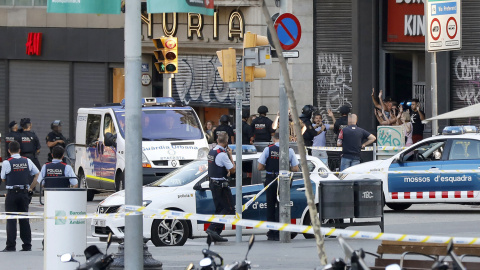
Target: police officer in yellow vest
<point x="16" y="172"/>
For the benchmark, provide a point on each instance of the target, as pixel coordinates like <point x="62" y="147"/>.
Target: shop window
<point x="6" y="2"/>
<point x="40" y="3"/>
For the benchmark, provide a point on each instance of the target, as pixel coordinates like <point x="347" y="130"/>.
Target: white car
<point x="181" y="190"/>
<point x="440" y="169"/>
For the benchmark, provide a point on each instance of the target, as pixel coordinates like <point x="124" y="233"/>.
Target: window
<point x="183" y="175"/>
<point x="24" y="3"/>
<point x="108" y="125"/>
<point x="464" y="149"/>
<point x="429" y="151"/>
<point x="93" y="128"/>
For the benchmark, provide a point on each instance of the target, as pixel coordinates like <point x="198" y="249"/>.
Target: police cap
<point x="344" y="110"/>
<point x="12" y="124"/>
<point x="262" y="109"/>
<point x="224" y="119"/>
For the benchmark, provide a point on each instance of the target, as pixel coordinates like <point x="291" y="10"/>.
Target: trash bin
<point x="336" y="199"/>
<point x="368" y="198"/>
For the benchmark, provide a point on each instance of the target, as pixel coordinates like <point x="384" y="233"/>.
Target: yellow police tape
<point x="231" y="220"/>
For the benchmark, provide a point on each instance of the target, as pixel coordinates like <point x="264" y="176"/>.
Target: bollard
<point x="63" y="235"/>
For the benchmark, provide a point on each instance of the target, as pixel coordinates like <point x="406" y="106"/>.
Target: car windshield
<point x="166" y="125"/>
<point x="183" y="175"/>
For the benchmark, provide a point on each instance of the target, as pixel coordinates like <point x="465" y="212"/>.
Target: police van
<point x="439" y="169"/>
<point x="171" y="137"/>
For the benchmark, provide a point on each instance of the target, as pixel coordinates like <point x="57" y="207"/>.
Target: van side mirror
<point x="110" y="139"/>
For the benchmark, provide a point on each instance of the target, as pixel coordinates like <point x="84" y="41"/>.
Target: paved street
<point x="441" y="219"/>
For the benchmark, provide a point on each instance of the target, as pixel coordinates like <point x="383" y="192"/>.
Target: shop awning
<point x="467" y="112"/>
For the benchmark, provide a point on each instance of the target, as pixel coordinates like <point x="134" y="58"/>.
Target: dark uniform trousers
<point x="223" y="200"/>
<point x="272" y="202"/>
<point x="17" y="200"/>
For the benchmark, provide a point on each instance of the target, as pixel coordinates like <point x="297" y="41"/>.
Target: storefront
<point x="48" y="73"/>
<point x="360" y="45"/>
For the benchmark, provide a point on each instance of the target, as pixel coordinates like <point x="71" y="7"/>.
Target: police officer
<point x="13" y="135"/>
<point x="269" y="161"/>
<point x="262" y="126"/>
<point x="30" y="146"/>
<point x="57" y="174"/>
<point x="224" y="128"/>
<point x="16" y="172"/>
<point x="55" y="137"/>
<point x="220" y="166"/>
<point x="310" y="132"/>
<point x="342" y="121"/>
<point x="247" y="133"/>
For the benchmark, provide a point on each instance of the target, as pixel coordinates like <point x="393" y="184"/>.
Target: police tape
<point x="247" y="204"/>
<point x="256" y="224"/>
<point x="366" y="149"/>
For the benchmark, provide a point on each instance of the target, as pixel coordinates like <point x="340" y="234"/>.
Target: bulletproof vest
<point x="273" y="161"/>
<point x="260" y="125"/>
<point x="214" y="170"/>
<point x="56" y="170"/>
<point x="223" y="129"/>
<point x="308" y="136"/>
<point x="11" y="136"/>
<point x="19" y="173"/>
<point x="27" y="146"/>
<point x="53" y="136"/>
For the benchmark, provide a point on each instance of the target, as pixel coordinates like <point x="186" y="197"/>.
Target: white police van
<point x="172" y="137"/>
<point x="439" y="169"/>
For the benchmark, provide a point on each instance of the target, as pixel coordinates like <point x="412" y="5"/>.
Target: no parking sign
<point x="289" y="31"/>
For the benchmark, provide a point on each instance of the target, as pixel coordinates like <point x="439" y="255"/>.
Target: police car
<point x="172" y="137"/>
<point x="440" y="169"/>
<point x="186" y="190"/>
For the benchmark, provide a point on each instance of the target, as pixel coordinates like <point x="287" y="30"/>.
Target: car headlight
<point x="145" y="161"/>
<point x="202" y="153"/>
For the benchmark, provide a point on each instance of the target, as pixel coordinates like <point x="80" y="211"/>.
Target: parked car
<point x="446" y="169"/>
<point x="182" y="190"/>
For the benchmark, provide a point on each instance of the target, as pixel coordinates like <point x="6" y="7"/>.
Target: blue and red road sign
<point x="289" y="31"/>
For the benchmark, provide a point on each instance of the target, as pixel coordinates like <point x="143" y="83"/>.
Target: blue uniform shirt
<point x="6" y="168"/>
<point x="68" y="173"/>
<point x="266" y="152"/>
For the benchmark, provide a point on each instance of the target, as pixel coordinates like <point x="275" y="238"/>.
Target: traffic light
<point x="167" y="54"/>
<point x="228" y="70"/>
<point x="256" y="52"/>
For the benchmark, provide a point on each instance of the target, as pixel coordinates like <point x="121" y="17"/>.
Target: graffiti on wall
<point x="467" y="70"/>
<point x="198" y="82"/>
<point x="334" y="84"/>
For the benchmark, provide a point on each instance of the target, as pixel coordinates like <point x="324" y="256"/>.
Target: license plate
<point x="98" y="222"/>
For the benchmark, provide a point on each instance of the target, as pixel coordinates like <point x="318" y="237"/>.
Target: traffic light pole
<point x="238" y="141"/>
<point x="133" y="130"/>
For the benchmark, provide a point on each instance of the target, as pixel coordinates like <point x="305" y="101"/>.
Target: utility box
<point x="368" y="199"/>
<point x="336" y="199"/>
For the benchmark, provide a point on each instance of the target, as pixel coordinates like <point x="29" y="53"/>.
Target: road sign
<point x="289" y="31"/>
<point x="286" y="54"/>
<point x="443" y="22"/>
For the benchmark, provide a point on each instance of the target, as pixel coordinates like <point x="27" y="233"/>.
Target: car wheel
<point x="82" y="183"/>
<point x="399" y="206"/>
<point x="169" y="232"/>
<point x="120" y="181"/>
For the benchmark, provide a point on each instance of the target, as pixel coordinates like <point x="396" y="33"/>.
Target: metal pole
<point x="434" y="93"/>
<point x="133" y="135"/>
<point x="284" y="180"/>
<point x="238" y="157"/>
<point x="301" y="145"/>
